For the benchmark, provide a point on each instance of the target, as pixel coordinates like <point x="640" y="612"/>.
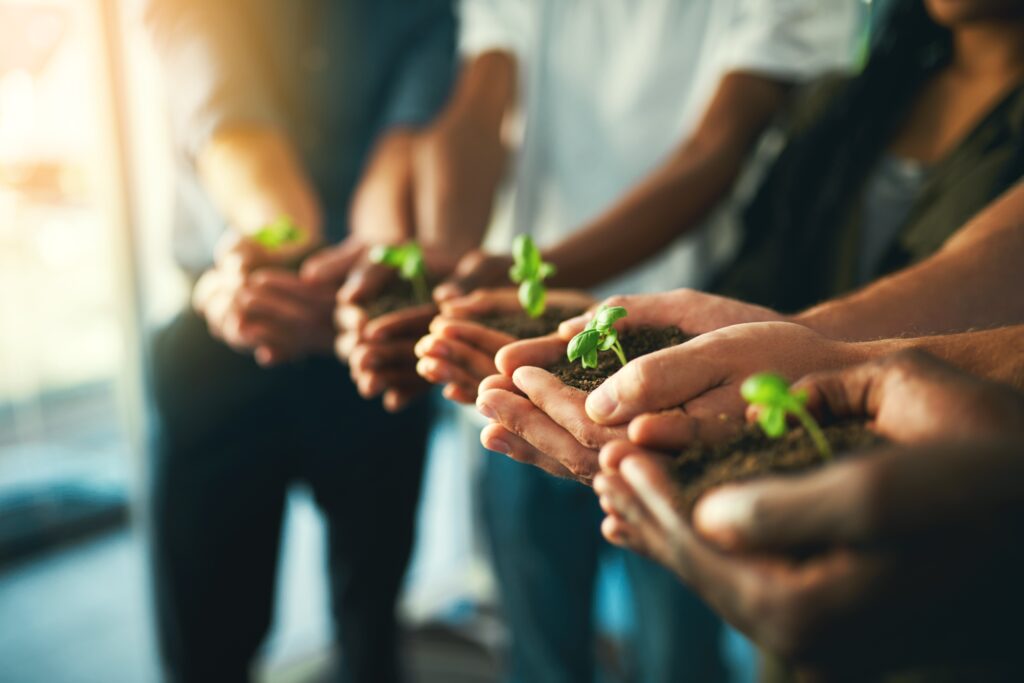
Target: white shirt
<point x="609" y="87"/>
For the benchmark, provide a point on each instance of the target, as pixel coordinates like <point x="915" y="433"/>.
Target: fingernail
<point x="724" y="512"/>
<point x="498" y="446"/>
<point x="487" y="411"/>
<point x="440" y="350"/>
<point x="601" y="405"/>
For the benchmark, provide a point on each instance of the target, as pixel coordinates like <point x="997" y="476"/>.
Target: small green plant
<point x="279" y="233"/>
<point x="599" y="335"/>
<point x="407" y="259"/>
<point x="773" y="396"/>
<point x="529" y="272"/>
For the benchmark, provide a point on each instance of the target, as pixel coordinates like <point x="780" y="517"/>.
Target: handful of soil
<point x="395" y="296"/>
<point x="635" y="343"/>
<point x="522" y="326"/>
<point x="752" y="454"/>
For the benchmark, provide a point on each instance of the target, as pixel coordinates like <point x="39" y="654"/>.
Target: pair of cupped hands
<point x="303" y="300"/>
<point x="888" y="554"/>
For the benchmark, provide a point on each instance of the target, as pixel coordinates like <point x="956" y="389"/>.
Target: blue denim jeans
<point x="546" y="543"/>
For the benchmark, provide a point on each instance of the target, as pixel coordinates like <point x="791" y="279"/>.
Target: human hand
<point x="909" y="562"/>
<point x="687" y="393"/>
<point x="475" y="270"/>
<point x="912" y="397"/>
<point x="268" y="311"/>
<point x="692" y="311"/>
<point x="459" y="352"/>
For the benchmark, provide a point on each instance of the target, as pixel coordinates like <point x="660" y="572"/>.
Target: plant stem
<point x="817" y="436"/>
<point x="419" y="288"/>
<point x="617" y="348"/>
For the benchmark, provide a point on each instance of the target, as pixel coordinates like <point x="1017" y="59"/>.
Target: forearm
<point x="253" y="174"/>
<point x="974" y="281"/>
<point x="461" y="159"/>
<point x="677" y="195"/>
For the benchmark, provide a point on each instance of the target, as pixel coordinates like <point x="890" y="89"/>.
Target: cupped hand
<point x="907" y="548"/>
<point x="268" y="312"/>
<point x="460" y="352"/>
<point x="542" y="422"/>
<point x="912" y="397"/>
<point x="690" y="392"/>
<point x="476" y="269"/>
<point x="692" y="311"/>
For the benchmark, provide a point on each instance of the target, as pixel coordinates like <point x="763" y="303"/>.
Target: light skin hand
<point x="690" y="392"/>
<point x="692" y="311"/>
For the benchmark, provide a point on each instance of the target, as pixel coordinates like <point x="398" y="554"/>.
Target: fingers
<point x="475" y="335"/>
<point x="564" y="405"/>
<point x="825" y="507"/>
<point x="676" y="429"/>
<point x="367" y="357"/>
<point x="541" y="352"/>
<point x="481" y="301"/>
<point x="332" y="266"/>
<point x="364" y="282"/>
<point x="476" y="269"/>
<point x="498" y="382"/>
<point x="411" y="322"/>
<point x="660" y="380"/>
<point x="496" y="438"/>
<point x="522" y="418"/>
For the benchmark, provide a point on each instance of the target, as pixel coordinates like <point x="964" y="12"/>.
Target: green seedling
<point x="529" y="272"/>
<point x="280" y="232"/>
<point x="773" y="396"/>
<point x="599" y="335"/>
<point x="407" y="259"/>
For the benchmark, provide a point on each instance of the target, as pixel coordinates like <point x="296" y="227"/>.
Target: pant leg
<point x="677" y="638"/>
<point x="365" y="467"/>
<point x="545" y="538"/>
<point x="216" y="495"/>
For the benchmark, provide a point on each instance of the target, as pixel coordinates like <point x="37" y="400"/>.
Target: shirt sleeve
<point x="793" y="39"/>
<point x="421" y="84"/>
<point x="495" y="25"/>
<point x="211" y="66"/>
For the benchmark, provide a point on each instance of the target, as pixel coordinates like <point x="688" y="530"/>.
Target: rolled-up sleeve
<point x="793" y="39"/>
<point x="211" y="67"/>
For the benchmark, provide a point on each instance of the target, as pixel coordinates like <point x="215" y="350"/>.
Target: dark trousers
<point x="229" y="439"/>
<point x="546" y="540"/>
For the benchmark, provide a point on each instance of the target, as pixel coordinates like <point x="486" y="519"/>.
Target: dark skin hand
<point x="459" y="352"/>
<point x="892" y="559"/>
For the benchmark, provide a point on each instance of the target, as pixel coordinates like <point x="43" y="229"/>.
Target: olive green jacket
<point x="973" y="174"/>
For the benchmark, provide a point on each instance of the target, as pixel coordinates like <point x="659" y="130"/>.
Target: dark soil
<point x="522" y="326"/>
<point x="398" y="294"/>
<point x="752" y="454"/>
<point x="635" y="343"/>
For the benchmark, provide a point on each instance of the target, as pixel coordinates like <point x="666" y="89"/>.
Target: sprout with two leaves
<point x="599" y="335"/>
<point x="407" y="259"/>
<point x="776" y="400"/>
<point x="529" y="272"/>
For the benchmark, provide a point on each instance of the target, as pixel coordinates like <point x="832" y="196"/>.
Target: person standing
<point x="278" y="109"/>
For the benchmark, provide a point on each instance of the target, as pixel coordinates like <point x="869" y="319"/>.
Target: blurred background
<point x="85" y="271"/>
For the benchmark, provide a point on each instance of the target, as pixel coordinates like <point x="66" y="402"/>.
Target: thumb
<point x="332" y="266"/>
<point x="781" y="513"/>
<point x="364" y="283"/>
<point x="474" y="270"/>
